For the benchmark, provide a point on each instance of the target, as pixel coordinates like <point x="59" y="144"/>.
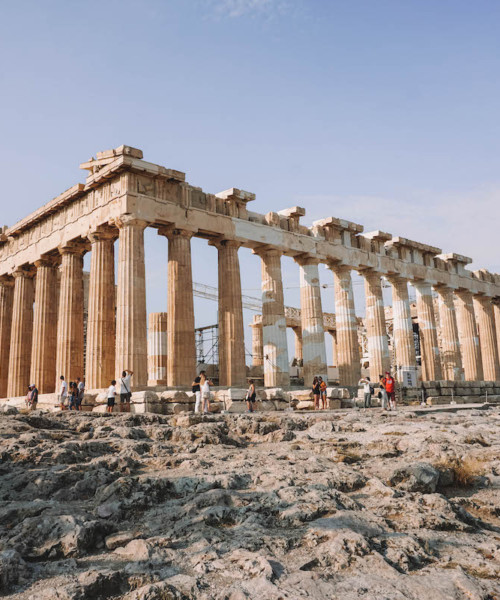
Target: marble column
<point x="131" y="318"/>
<point x="276" y="367"/>
<point x="157" y="348"/>
<point x="469" y="339"/>
<point x="483" y="309"/>
<point x="347" y="327"/>
<point x="376" y="330"/>
<point x="451" y="361"/>
<point x="402" y="325"/>
<point x="496" y="313"/>
<point x="335" y="358"/>
<point x="6" y="299"/>
<point x="257" y="345"/>
<point x="429" y="349"/>
<point x="313" y="330"/>
<point x="232" y="368"/>
<point x="299" y="354"/>
<point x="101" y="329"/>
<point x="181" y="345"/>
<point x="43" y="367"/>
<point x="21" y="333"/>
<point x="69" y="353"/>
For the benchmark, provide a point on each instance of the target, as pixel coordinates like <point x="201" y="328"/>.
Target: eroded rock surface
<point x="339" y="505"/>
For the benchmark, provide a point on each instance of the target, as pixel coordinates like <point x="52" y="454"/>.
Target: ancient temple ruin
<point x="41" y="325"/>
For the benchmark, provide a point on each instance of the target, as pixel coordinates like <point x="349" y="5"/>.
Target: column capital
<point x="171" y="232"/>
<point x="306" y="259"/>
<point x="47" y="260"/>
<point x="222" y="243"/>
<point x="264" y="251"/>
<point x="6" y="280"/>
<point x="78" y="247"/>
<point x="130" y="221"/>
<point x="24" y="271"/>
<point x="102" y="233"/>
<point x="396" y="278"/>
<point x="339" y="268"/>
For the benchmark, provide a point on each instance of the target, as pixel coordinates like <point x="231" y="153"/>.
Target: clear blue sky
<point x="385" y="112"/>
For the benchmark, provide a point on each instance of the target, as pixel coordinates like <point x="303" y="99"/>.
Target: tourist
<point x="81" y="392"/>
<point x="367" y="391"/>
<point x="383" y="394"/>
<point x="316" y="392"/>
<point x="34" y="396"/>
<point x="73" y="395"/>
<point x="322" y="391"/>
<point x="63" y="393"/>
<point x="251" y="396"/>
<point x="111" y="397"/>
<point x="390" y="388"/>
<point x="205" y="384"/>
<point x="125" y="390"/>
<point x="27" y="399"/>
<point x="195" y="388"/>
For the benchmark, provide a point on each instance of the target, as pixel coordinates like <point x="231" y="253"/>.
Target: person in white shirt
<point x="205" y="393"/>
<point x="367" y="391"/>
<point x="111" y="396"/>
<point x="63" y="393"/>
<point x="125" y="390"/>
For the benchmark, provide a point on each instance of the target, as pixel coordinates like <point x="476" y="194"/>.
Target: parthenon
<point x="41" y="321"/>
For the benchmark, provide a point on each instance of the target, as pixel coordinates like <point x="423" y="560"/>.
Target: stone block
<point x="305" y="405"/>
<point x="338" y="393"/>
<point x="174" y="396"/>
<point x="487" y="384"/>
<point x="144" y="396"/>
<point x="272" y="394"/>
<point x="476" y="391"/>
<point x="446" y="391"/>
<point x="334" y="403"/>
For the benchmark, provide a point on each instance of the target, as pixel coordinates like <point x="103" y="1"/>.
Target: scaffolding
<point x="207" y="346"/>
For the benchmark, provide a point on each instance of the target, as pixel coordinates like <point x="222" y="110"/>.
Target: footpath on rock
<point x="336" y="505"/>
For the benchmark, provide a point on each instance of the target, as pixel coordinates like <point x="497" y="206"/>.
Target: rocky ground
<point x="340" y="505"/>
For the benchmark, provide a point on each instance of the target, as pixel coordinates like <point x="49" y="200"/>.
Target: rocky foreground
<point x="340" y="505"/>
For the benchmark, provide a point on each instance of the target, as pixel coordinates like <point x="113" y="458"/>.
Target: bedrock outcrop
<point x="339" y="505"/>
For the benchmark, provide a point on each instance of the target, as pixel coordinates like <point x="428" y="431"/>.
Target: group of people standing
<point x="71" y="397"/>
<point x="201" y="389"/>
<point x="386" y="394"/>
<point x="319" y="393"/>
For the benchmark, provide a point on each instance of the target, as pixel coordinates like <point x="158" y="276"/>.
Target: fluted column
<point x="131" y="316"/>
<point x="43" y="366"/>
<point x="451" y="360"/>
<point x="6" y="299"/>
<point x="257" y="344"/>
<point x="276" y="367"/>
<point x="21" y="333"/>
<point x="69" y="354"/>
<point x="335" y="358"/>
<point x="232" y="370"/>
<point x="347" y="327"/>
<point x="496" y="313"/>
<point x="402" y="324"/>
<point x="299" y="354"/>
<point x="311" y="311"/>
<point x="468" y="336"/>
<point x="101" y="330"/>
<point x="483" y="309"/>
<point x="431" y="365"/>
<point x="157" y="348"/>
<point x="181" y="345"/>
<point x="376" y="330"/>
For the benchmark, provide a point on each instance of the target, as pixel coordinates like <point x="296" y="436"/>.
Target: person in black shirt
<point x="197" y="391"/>
<point x="316" y="392"/>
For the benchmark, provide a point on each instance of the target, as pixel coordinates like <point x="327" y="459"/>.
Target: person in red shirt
<point x="390" y="388"/>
